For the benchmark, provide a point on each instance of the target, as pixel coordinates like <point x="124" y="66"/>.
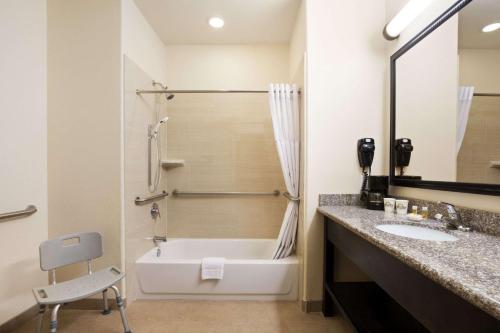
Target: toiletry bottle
<point x="425" y="213"/>
<point x="414" y="210"/>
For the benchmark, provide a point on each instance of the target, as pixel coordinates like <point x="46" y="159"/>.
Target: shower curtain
<point x="284" y="106"/>
<point x="465" y="95"/>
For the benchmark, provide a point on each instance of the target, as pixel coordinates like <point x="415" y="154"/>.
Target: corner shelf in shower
<point x="495" y="164"/>
<point x="169" y="164"/>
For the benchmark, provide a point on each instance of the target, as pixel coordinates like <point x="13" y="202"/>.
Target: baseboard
<point x="311" y="306"/>
<point x="19" y="320"/>
<point x="84" y="304"/>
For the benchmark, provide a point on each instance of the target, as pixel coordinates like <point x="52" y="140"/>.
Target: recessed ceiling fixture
<point x="491" y="27"/>
<point x="216" y="22"/>
<point x="402" y="19"/>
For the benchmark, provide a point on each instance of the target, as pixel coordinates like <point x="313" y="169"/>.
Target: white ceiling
<point x="473" y="18"/>
<point x="246" y="21"/>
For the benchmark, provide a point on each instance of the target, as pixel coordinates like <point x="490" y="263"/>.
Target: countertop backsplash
<point x="479" y="220"/>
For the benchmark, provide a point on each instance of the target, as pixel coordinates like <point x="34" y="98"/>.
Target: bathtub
<point x="249" y="274"/>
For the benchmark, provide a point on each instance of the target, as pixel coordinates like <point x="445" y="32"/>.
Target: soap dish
<point x="415" y="217"/>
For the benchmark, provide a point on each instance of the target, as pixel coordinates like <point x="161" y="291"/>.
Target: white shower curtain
<point x="284" y="106"/>
<point x="465" y="95"/>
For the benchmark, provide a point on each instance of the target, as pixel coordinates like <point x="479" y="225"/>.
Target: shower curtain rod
<point x="139" y="91"/>
<point x="487" y="94"/>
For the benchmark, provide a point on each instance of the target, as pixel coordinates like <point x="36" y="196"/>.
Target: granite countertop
<point x="470" y="266"/>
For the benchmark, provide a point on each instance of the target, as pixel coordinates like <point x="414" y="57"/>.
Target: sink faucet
<point x="454" y="220"/>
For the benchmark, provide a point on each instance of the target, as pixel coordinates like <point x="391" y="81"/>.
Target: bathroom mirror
<point x="445" y="103"/>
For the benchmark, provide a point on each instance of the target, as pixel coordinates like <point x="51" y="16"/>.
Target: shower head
<point x="156" y="128"/>
<point x="169" y="97"/>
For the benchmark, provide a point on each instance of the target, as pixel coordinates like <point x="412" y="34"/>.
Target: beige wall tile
<point x="228" y="144"/>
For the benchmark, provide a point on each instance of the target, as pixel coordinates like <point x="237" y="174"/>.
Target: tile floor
<point x="199" y="316"/>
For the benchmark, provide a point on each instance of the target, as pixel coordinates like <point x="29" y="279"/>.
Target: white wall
<point x="141" y="44"/>
<point x="23" y="149"/>
<point x="480" y="68"/>
<point x="490" y="203"/>
<point x="144" y="60"/>
<point x="248" y="66"/>
<point x="297" y="46"/>
<point x="345" y="99"/>
<point x="84" y="123"/>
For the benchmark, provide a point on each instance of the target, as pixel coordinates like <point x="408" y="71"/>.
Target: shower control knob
<point x="155" y="211"/>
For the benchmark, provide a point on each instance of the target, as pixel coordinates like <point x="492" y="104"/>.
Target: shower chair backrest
<point x="70" y="249"/>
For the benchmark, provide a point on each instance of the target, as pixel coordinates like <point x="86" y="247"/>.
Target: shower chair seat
<point x="79" y="288"/>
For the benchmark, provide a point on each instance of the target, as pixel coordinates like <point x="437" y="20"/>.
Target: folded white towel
<point x="212" y="268"/>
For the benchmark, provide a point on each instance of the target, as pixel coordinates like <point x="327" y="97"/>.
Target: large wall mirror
<point x="445" y="103"/>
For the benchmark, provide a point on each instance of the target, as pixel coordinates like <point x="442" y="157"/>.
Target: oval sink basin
<point x="411" y="231"/>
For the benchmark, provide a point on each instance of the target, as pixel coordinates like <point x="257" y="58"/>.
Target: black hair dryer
<point x="402" y="149"/>
<point x="366" y="151"/>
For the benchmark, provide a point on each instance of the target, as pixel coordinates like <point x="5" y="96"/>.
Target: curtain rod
<point x="139" y="92"/>
<point x="487" y="94"/>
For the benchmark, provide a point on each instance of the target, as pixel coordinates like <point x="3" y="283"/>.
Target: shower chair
<point x="71" y="249"/>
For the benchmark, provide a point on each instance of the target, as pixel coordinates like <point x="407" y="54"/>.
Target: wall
<point x="251" y="66"/>
<point x="345" y="99"/>
<point x="481" y="68"/>
<point x="144" y="60"/>
<point x="226" y="140"/>
<point x="490" y="203"/>
<point x="298" y="41"/>
<point x="139" y="112"/>
<point x="141" y="44"/>
<point x="297" y="73"/>
<point x="23" y="171"/>
<point x="426" y="96"/>
<point x="481" y="143"/>
<point x="84" y="123"/>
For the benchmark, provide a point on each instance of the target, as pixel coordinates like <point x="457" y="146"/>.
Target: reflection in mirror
<point x="448" y="101"/>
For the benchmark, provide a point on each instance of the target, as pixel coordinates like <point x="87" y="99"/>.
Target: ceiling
<point x="246" y="21"/>
<point x="473" y="18"/>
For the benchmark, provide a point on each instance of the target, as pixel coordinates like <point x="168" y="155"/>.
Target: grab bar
<point x="31" y="209"/>
<point x="142" y="201"/>
<point x="176" y="192"/>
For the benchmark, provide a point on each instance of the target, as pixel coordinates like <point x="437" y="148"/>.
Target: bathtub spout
<point x="157" y="239"/>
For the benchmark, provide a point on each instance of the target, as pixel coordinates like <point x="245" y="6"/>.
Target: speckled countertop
<point x="470" y="266"/>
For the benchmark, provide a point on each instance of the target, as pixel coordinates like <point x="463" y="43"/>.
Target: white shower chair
<point x="72" y="249"/>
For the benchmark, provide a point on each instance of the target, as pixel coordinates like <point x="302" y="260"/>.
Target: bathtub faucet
<point x="157" y="240"/>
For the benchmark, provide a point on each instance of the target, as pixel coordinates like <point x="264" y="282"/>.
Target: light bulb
<point x="491" y="27"/>
<point x="405" y="16"/>
<point x="216" y="22"/>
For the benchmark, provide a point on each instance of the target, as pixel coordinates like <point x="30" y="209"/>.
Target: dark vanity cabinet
<point x="400" y="298"/>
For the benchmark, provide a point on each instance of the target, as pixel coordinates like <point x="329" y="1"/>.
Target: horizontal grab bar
<point x="176" y="192"/>
<point x="31" y="209"/>
<point x="142" y="201"/>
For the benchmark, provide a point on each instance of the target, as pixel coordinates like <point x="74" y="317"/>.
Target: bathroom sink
<point x="411" y="231"/>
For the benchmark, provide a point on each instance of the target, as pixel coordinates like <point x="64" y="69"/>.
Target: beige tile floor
<point x="199" y="316"/>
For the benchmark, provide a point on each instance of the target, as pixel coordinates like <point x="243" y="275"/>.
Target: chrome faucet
<point x="454" y="220"/>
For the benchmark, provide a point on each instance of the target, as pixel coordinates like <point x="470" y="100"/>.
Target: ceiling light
<point x="216" y="22"/>
<point x="405" y="16"/>
<point x="491" y="27"/>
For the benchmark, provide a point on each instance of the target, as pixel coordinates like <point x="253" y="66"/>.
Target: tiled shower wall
<point x="227" y="143"/>
<point x="139" y="112"/>
<point x="480" y="145"/>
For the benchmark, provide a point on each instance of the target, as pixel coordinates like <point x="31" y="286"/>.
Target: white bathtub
<point x="249" y="274"/>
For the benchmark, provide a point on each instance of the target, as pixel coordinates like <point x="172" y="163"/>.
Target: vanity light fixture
<point x="216" y="22"/>
<point x="405" y="16"/>
<point x="491" y="27"/>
